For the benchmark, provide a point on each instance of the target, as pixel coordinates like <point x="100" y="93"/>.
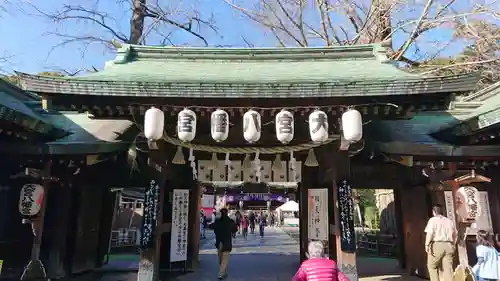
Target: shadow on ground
<point x="248" y="266"/>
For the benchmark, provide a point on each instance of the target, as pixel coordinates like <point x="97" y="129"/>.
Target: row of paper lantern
<point x="352" y="125"/>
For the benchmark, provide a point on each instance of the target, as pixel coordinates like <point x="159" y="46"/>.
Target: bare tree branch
<point x="441" y="68"/>
<point x="414" y="33"/>
<point x="151" y="21"/>
<point x="474" y="24"/>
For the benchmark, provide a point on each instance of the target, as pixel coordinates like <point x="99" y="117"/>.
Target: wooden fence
<point x="376" y="244"/>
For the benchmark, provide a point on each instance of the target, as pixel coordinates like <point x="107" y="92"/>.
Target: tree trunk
<point x="137" y="21"/>
<point x="378" y="26"/>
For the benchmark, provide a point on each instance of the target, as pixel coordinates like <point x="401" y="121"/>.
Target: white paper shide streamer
<point x="154" y="122"/>
<point x="352" y="125"/>
<point x="318" y="126"/>
<point x="229" y="166"/>
<point x="293" y="167"/>
<point x="219" y="122"/>
<point x="285" y="126"/>
<point x="186" y="125"/>
<point x="192" y="162"/>
<point x="252" y="126"/>
<point x="257" y="166"/>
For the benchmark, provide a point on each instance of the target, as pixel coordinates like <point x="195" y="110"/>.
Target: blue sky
<point x="26" y="38"/>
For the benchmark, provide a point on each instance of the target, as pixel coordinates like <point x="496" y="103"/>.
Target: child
<point x="486" y="268"/>
<point x="244" y="227"/>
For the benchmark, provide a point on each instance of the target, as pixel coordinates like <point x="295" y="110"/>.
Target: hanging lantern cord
<point x="245" y="150"/>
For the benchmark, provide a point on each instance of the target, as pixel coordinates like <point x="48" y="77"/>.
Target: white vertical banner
<point x="180" y="214"/>
<point x="483" y="221"/>
<point x="208" y="201"/>
<point x="318" y="214"/>
<point x="450" y="210"/>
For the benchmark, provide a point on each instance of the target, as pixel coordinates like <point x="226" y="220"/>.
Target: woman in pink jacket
<point x="317" y="267"/>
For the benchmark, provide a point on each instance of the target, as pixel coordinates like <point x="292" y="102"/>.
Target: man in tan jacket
<point x="441" y="236"/>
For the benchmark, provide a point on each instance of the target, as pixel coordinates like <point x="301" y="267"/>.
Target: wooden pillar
<point x="109" y="207"/>
<point x="180" y="176"/>
<point x="308" y="178"/>
<point x="463" y="258"/>
<point x="153" y="218"/>
<point x="346" y="259"/>
<point x="415" y="206"/>
<point x="195" y="202"/>
<point x="399" y="226"/>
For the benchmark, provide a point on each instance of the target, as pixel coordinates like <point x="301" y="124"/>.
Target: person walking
<point x="251" y="220"/>
<point x="232" y="216"/>
<point x="318" y="267"/>
<point x="238" y="217"/>
<point x="202" y="224"/>
<point x="440" y="239"/>
<point x="486" y="268"/>
<point x="262" y="224"/>
<point x="224" y="228"/>
<point x="244" y="227"/>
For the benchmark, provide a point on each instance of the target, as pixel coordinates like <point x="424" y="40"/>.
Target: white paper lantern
<point x="154" y="121"/>
<point x="467" y="202"/>
<point x="285" y="126"/>
<point x="31" y="199"/>
<point x="352" y="125"/>
<point x="318" y="126"/>
<point x="219" y="125"/>
<point x="186" y="125"/>
<point x="251" y="126"/>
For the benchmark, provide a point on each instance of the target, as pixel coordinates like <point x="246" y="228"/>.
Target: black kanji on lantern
<point x="321" y="122"/>
<point x="219" y="122"/>
<point x="246" y="122"/>
<point x="285" y="124"/>
<point x="27" y="201"/>
<point x="346" y="210"/>
<point x="186" y="123"/>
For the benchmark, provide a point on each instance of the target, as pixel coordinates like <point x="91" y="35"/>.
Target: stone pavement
<point x="272" y="258"/>
<point x="370" y="268"/>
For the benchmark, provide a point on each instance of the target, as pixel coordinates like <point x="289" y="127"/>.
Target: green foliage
<point x="365" y="197"/>
<point x="372" y="218"/>
<point x="51" y="73"/>
<point x="13" y="79"/>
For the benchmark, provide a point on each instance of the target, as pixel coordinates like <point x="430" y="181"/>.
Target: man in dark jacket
<point x="224" y="228"/>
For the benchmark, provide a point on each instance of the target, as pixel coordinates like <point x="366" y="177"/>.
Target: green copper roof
<point x="486" y="115"/>
<point x="413" y="137"/>
<point x="85" y="136"/>
<point x="360" y="70"/>
<point x="286" y="65"/>
<point x="16" y="107"/>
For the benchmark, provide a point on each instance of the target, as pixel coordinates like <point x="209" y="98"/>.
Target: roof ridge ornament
<point x="122" y="54"/>
<point x="381" y="52"/>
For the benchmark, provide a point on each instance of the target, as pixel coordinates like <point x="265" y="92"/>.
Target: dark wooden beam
<point x="149" y="269"/>
<point x="346" y="259"/>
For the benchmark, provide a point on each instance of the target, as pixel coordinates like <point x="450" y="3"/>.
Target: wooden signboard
<point x="150" y="214"/>
<point x="346" y="210"/>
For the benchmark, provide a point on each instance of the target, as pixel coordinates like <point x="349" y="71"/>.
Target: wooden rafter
<point x="472" y="177"/>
